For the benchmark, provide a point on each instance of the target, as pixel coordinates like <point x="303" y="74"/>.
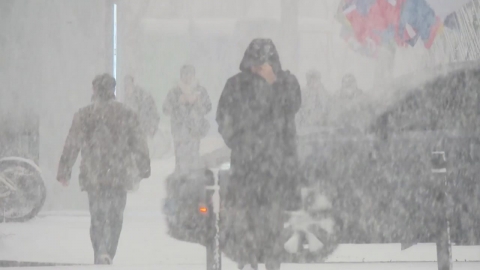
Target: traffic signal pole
<point x="444" y="245"/>
<point x="214" y="253"/>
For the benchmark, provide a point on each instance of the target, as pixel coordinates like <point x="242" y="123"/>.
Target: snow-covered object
<point x="22" y="160"/>
<point x="292" y="244"/>
<point x="314" y="244"/>
<point x="20" y="176"/>
<point x="313" y="226"/>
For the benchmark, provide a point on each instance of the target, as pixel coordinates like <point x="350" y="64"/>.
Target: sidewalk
<point x="56" y="237"/>
<point x="63" y="237"/>
<point x="66" y="240"/>
<point x="327" y="266"/>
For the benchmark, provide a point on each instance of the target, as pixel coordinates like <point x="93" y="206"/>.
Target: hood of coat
<point x="261" y="51"/>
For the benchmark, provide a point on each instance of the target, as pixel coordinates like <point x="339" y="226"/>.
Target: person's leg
<point x="274" y="225"/>
<point x="97" y="224"/>
<point x="186" y="154"/>
<point x="191" y="156"/>
<point x="177" y="145"/>
<point x="249" y="240"/>
<point x="118" y="201"/>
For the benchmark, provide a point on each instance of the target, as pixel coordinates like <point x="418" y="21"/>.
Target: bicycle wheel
<point x="27" y="197"/>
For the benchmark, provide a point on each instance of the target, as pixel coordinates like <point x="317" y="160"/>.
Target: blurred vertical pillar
<point x="123" y="51"/>
<point x="108" y="45"/>
<point x="125" y="46"/>
<point x="191" y="35"/>
<point x="290" y="35"/>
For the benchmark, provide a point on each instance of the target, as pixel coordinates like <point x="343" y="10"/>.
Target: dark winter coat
<point x="144" y="105"/>
<point x="124" y="124"/>
<point x="257" y="122"/>
<point x="188" y="120"/>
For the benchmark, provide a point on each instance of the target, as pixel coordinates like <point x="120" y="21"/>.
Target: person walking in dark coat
<point x="256" y="118"/>
<point x="349" y="89"/>
<point x="187" y="104"/>
<point x="111" y="142"/>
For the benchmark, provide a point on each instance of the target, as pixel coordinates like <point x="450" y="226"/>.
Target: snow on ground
<point x="144" y="243"/>
<point x="336" y="266"/>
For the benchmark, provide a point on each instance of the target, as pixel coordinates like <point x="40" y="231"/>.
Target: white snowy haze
<point x="354" y="161"/>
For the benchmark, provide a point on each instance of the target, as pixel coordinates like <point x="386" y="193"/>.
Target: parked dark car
<point x="186" y="206"/>
<point x="380" y="180"/>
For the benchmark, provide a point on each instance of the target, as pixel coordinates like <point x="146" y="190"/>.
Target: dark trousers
<point x="106" y="210"/>
<point x="255" y="235"/>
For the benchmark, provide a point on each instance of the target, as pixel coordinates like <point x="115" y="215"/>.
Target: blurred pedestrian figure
<point x="349" y="89"/>
<point x="187" y="104"/>
<point x="315" y="101"/>
<point x="256" y="118"/>
<point x="351" y="112"/>
<point x="111" y="142"/>
<point x="142" y="102"/>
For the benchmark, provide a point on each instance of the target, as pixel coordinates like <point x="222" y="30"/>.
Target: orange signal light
<point x="203" y="209"/>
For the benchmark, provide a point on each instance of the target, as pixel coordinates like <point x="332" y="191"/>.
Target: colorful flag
<point x="370" y="24"/>
<point x="418" y="20"/>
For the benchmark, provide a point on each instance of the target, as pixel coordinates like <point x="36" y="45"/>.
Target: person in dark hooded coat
<point x="256" y="118"/>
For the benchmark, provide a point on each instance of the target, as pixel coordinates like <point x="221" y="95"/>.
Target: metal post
<point x="444" y="246"/>
<point x="109" y="35"/>
<point x="214" y="254"/>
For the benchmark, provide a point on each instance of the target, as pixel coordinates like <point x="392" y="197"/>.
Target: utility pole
<point x="444" y="243"/>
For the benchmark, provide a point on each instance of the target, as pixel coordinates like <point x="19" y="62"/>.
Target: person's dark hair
<point x="104" y="86"/>
<point x="187" y="69"/>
